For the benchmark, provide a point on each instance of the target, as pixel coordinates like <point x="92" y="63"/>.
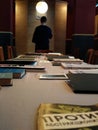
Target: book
<point x="88" y="71"/>
<point x="84" y="83"/>
<point x="53" y="76"/>
<point x="51" y="57"/>
<point x="54" y="63"/>
<point x="53" y="116"/>
<point x="79" y="66"/>
<point x="25" y="57"/>
<point x="6" y="79"/>
<point x="67" y="60"/>
<point x="17" y="73"/>
<point x="28" y="68"/>
<point x="55" y="53"/>
<point x="19" y="62"/>
<point x="34" y="68"/>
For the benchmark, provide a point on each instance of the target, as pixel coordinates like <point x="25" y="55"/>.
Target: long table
<point x="19" y="103"/>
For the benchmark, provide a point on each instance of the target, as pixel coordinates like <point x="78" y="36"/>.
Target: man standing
<point x="41" y="36"/>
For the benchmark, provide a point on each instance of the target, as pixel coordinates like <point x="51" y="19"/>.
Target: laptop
<point x="83" y="83"/>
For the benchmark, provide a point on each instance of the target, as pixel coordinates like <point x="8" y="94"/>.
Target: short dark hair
<point x="43" y="19"/>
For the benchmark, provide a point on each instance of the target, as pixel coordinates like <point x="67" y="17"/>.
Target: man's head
<point x="43" y="19"/>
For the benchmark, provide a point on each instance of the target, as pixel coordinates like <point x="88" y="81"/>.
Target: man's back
<point x="41" y="37"/>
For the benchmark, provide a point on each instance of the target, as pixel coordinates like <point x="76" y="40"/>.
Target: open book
<point x="67" y="117"/>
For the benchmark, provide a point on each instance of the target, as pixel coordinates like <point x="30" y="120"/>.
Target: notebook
<point x="83" y="83"/>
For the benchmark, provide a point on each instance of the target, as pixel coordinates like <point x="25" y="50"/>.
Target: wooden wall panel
<point x="21" y="26"/>
<point x="60" y="26"/>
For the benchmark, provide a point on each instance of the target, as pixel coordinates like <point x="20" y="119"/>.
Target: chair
<point x="76" y="52"/>
<point x="1" y="54"/>
<point x="10" y="52"/>
<point x="89" y="56"/>
<point x="95" y="57"/>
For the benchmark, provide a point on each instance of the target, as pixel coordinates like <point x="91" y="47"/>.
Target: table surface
<point x="19" y="103"/>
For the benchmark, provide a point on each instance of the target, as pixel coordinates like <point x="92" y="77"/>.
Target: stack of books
<point x="6" y="79"/>
<point x="7" y="75"/>
<point x="84" y="83"/>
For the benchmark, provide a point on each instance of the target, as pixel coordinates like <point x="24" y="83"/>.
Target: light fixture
<point x="41" y="7"/>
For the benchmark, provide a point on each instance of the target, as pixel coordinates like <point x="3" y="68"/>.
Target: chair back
<point x="1" y="54"/>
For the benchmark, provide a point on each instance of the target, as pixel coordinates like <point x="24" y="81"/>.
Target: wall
<point x="96" y="24"/>
<point x="21" y="26"/>
<point x="6" y="25"/>
<point x="84" y="17"/>
<point x="6" y="15"/>
<point x="60" y="26"/>
<point x="27" y="20"/>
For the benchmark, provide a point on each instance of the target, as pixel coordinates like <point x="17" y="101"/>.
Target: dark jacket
<point x="41" y="37"/>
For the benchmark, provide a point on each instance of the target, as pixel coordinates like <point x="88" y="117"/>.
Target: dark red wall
<point x="70" y="19"/>
<point x="81" y="17"/>
<point x="6" y="15"/>
<point x="84" y="16"/>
